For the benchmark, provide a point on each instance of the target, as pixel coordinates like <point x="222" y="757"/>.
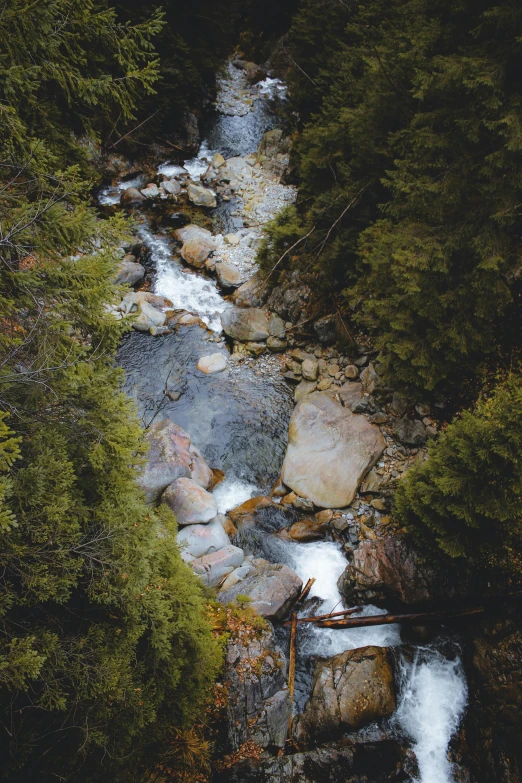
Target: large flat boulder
<point x="349" y="691"/>
<point x="272" y="589"/>
<point x="190" y="503"/>
<point x="171" y="456"/>
<point x="192" y="231"/>
<point x="245" y="324"/>
<point x="215" y="566"/>
<point x="330" y="449"/>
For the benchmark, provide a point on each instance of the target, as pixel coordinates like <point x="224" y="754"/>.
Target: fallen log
<point x="318" y="617"/>
<point x="306" y="590"/>
<point x="291" y="671"/>
<point x="389" y="619"/>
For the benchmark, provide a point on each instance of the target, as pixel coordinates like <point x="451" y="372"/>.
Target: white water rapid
<point x="433" y="697"/>
<point x="232" y="492"/>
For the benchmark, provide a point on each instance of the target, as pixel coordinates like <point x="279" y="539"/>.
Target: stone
<point x="190" y="502"/>
<point x="129" y="273"/>
<point x="272" y="588"/>
<point x="411" y="432"/>
<point x="276" y="327"/>
<point x="196" y="251"/>
<point x="303" y="388"/>
<point x="218" y="160"/>
<point x="132" y="302"/>
<point x="399" y="404"/>
<point x="191" y="231"/>
<point x="238" y="575"/>
<point x="307" y="530"/>
<point x="131" y="197"/>
<point x="330" y="450"/>
<point x="199" y="540"/>
<point x="253" y="293"/>
<point x="370" y="379"/>
<point x="333" y="370"/>
<point x="171" y="186"/>
<point x="151" y="191"/>
<point x="351" y="372"/>
<point x="245" y="325"/>
<point x="200" y="196"/>
<point x="350" y="394"/>
<point x="310" y="369"/>
<point x="372" y="482"/>
<point x="349" y="691"/>
<point x="423" y="409"/>
<point x="378" y="504"/>
<point x="324" y="517"/>
<point x="325" y="329"/>
<point x="276" y="345"/>
<point x="232" y="239"/>
<point x="148" y="317"/>
<point x="171" y="456"/>
<point x="215" y="566"/>
<point x="246" y="509"/>
<point x="227" y="274"/>
<point x="324" y="384"/>
<point x="216" y="362"/>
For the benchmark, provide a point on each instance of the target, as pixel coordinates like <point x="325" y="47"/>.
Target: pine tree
<point x="464" y="501"/>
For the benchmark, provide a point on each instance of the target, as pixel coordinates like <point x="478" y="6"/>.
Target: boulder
<point x="351" y="372"/>
<point x="132" y="302"/>
<point x="232" y="239"/>
<point x="253" y="293"/>
<point x="238" y="575"/>
<point x="326" y="329"/>
<point x="131" y="197"/>
<point x="218" y="160"/>
<point x="227" y="274"/>
<point x="276" y="345"/>
<point x="276" y="327"/>
<point x="171" y="456"/>
<point x="216" y="566"/>
<point x="245" y="325"/>
<point x="196" y="251"/>
<point x="171" y="186"/>
<point x="349" y="691"/>
<point x="200" y="540"/>
<point x="216" y="362"/>
<point x="190" y="502"/>
<point x="191" y="231"/>
<point x="411" y="432"/>
<point x="200" y="196"/>
<point x="310" y="369"/>
<point x="304" y="388"/>
<point x="350" y="394"/>
<point x="129" y="272"/>
<point x="307" y="530"/>
<point x="151" y="191"/>
<point x="148" y="318"/>
<point x="330" y="450"/>
<point x="272" y="589"/>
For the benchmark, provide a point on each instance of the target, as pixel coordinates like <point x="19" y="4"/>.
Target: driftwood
<point x="306" y="590"/>
<point x="291" y="670"/>
<point x="388" y="619"/>
<point x="318" y="617"/>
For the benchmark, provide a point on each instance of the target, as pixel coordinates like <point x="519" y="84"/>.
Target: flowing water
<point x="239" y="419"/>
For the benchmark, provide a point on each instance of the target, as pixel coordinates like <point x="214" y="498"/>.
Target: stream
<point x="239" y="420"/>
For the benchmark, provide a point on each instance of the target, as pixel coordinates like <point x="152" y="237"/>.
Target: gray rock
<point x="350" y="691"/>
<point x="272" y="589"/>
<point x="275" y="345"/>
<point x="228" y="275"/>
<point x="148" y="317"/>
<point x="310" y="369"/>
<point x="151" y="191"/>
<point x="129" y="272"/>
<point x="171" y="186"/>
<point x="253" y="293"/>
<point x="192" y="231"/>
<point x="245" y="325"/>
<point x="200" y="540"/>
<point x="238" y="575"/>
<point x="131" y="197"/>
<point x="276" y="327"/>
<point x="196" y="251"/>
<point x="325" y="329"/>
<point x="350" y="394"/>
<point x="171" y="456"/>
<point x="200" y="196"/>
<point x="370" y="379"/>
<point x="209" y="365"/>
<point x="190" y="502"/>
<point x="216" y="566"/>
<point x="304" y="388"/>
<point x="330" y="450"/>
<point x="411" y="432"/>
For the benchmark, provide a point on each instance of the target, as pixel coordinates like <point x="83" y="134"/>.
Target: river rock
<point x="232" y="239"/>
<point x="307" y="530"/>
<point x="253" y="293"/>
<point x="272" y="589"/>
<point x="200" y="196"/>
<point x="304" y="388"/>
<point x="330" y="450"/>
<point x="218" y="160"/>
<point x="245" y="325"/>
<point x="199" y="540"/>
<point x="196" y="251"/>
<point x="238" y="575"/>
<point x="191" y="231"/>
<point x="148" y="318"/>
<point x="171" y="186"/>
<point x="227" y="274"/>
<point x="129" y="272"/>
<point x="171" y="456"/>
<point x="350" y="394"/>
<point x="326" y="330"/>
<point x="151" y="191"/>
<point x="216" y="566"/>
<point x="310" y="369"/>
<point x="131" y="197"/>
<point x="190" y="502"/>
<point x="276" y="327"/>
<point x="216" y="362"/>
<point x="349" y="691"/>
<point x="276" y="345"/>
<point x="411" y="432"/>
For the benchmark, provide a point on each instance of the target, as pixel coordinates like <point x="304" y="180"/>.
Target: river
<point x="239" y="420"/>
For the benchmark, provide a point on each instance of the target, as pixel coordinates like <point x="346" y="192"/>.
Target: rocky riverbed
<point x="279" y="453"/>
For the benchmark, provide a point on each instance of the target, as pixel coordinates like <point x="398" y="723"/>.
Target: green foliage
<point x="465" y="499"/>
<point x="408" y="158"/>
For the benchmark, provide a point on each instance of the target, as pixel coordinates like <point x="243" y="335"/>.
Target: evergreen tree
<point x="465" y="499"/>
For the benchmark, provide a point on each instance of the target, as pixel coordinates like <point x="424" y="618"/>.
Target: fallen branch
<point x="291" y="671"/>
<point x="319" y="617"/>
<point x="388" y="619"/>
<point x="134" y="129"/>
<point x="306" y="591"/>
